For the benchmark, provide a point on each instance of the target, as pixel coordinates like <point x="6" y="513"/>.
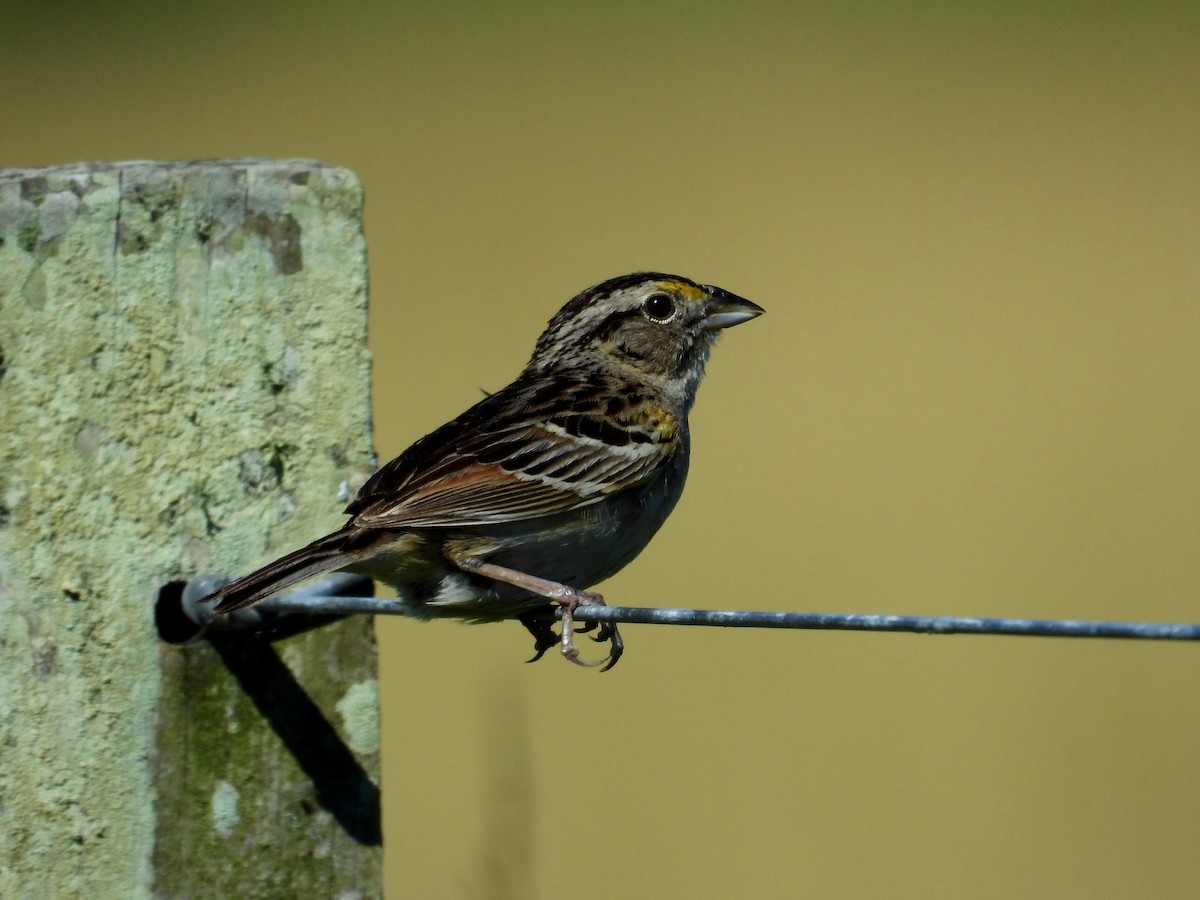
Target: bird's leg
<point x="568" y="598"/>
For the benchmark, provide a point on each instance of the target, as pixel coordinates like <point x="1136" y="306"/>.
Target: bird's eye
<point x="659" y="307"/>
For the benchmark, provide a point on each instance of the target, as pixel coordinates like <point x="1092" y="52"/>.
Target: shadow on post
<point x="343" y="787"/>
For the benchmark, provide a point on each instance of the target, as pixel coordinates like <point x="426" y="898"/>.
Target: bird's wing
<point x="520" y="454"/>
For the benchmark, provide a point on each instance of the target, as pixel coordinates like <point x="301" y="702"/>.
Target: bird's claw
<point x="544" y="636"/>
<point x="607" y="632"/>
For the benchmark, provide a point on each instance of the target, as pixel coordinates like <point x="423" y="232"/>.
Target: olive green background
<point x="976" y="232"/>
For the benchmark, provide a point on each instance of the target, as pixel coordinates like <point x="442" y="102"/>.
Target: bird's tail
<point x="322" y="555"/>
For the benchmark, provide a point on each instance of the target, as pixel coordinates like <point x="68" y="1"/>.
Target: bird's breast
<point x="584" y="546"/>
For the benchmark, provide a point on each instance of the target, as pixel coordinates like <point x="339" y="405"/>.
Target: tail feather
<point x="322" y="555"/>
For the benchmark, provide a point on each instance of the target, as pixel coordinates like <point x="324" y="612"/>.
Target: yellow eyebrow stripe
<point x="690" y="291"/>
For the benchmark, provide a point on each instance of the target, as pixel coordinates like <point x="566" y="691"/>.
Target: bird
<point x="545" y="487"/>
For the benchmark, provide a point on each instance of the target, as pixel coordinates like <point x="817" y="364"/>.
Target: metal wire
<point x="312" y="601"/>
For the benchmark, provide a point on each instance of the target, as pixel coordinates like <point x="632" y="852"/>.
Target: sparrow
<point x="545" y="487"/>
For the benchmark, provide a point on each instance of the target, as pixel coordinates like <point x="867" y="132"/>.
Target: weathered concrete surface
<point x="183" y="388"/>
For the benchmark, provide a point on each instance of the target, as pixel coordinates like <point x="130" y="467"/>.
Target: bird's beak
<point x="724" y="309"/>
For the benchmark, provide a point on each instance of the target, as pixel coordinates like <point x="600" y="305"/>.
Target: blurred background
<point x="976" y="232"/>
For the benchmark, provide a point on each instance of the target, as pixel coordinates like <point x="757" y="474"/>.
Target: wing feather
<point x="507" y="460"/>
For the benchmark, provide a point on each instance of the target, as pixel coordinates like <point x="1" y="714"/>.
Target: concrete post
<point x="183" y="388"/>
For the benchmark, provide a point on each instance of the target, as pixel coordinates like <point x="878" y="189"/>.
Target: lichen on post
<point x="184" y="387"/>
